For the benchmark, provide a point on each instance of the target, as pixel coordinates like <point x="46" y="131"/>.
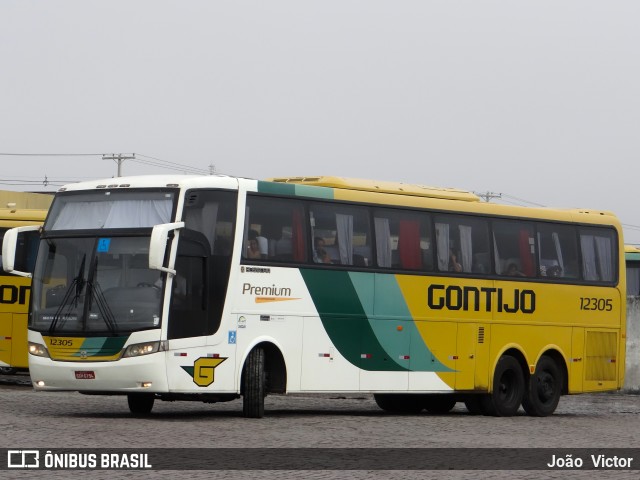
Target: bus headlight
<point x="146" y="348"/>
<point x="38" y="350"/>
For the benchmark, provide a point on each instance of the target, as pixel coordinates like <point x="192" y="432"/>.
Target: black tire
<point x="439" y="404"/>
<point x="253" y="385"/>
<point x="474" y="404"/>
<point x="544" y="389"/>
<point x="8" y="371"/>
<point x="140" y="403"/>
<point x="508" y="389"/>
<point x="405" y="403"/>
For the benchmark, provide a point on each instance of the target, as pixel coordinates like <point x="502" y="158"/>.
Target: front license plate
<point x="86" y="375"/>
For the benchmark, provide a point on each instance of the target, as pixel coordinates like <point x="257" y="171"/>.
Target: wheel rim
<point x="507" y="390"/>
<point x="546" y="387"/>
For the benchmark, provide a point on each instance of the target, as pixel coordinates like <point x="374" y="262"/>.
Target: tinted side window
<point x="598" y="254"/>
<point x="403" y="240"/>
<point x="211" y="213"/>
<point x="557" y="251"/>
<point x="274" y="230"/>
<point x="462" y="244"/>
<point x="514" y="248"/>
<point x="341" y="234"/>
<point x="633" y="279"/>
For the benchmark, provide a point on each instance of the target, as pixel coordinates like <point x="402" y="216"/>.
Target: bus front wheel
<point x="508" y="389"/>
<point x="253" y="385"/>
<point x="140" y="403"/>
<point x="543" y="391"/>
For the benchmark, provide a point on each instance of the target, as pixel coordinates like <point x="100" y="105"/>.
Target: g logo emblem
<point x="204" y="370"/>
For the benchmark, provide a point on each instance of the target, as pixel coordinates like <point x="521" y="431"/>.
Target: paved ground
<point x="71" y="420"/>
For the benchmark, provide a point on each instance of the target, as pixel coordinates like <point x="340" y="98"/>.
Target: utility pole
<point x="212" y="169"/>
<point x="487" y="196"/>
<point x="119" y="158"/>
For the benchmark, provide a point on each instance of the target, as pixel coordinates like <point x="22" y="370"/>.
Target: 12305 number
<point x="592" y="303"/>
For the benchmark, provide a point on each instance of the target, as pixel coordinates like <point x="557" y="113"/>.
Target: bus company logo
<point x="203" y="370"/>
<point x="244" y="269"/>
<point x="23" y="459"/>
<point x="265" y="294"/>
<point x="486" y="299"/>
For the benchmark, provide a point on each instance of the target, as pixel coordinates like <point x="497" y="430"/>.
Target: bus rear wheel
<point x="508" y="389"/>
<point x="140" y="403"/>
<point x="439" y="403"/>
<point x="543" y="391"/>
<point x="399" y="402"/>
<point x="253" y="385"/>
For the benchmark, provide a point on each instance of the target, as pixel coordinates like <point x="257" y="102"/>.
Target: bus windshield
<point x="97" y="285"/>
<point x="110" y="209"/>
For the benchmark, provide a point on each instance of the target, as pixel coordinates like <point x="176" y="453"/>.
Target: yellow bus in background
<point x="15" y="290"/>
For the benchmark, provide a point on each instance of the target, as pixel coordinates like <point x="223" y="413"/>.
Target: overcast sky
<point x="538" y="100"/>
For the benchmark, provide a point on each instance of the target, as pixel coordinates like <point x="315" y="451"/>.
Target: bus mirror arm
<point x="9" y="247"/>
<point x="158" y="246"/>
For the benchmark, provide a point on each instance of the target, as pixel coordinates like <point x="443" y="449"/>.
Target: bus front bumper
<point x="127" y="375"/>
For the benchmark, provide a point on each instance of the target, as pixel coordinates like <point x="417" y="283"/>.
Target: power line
<point x="152" y="161"/>
<point x="633" y="227"/>
<point x="51" y="154"/>
<point x="523" y="200"/>
<point x="182" y="166"/>
<point x="170" y="165"/>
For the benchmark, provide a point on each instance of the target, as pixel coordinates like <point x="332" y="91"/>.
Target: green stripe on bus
<point x="362" y="313"/>
<point x="391" y="304"/>
<point x="102" y="346"/>
<point x="292" y="189"/>
<point x="345" y="320"/>
<point x="112" y="345"/>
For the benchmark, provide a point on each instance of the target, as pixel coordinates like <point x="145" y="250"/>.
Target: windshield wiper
<point x="94" y="290"/>
<point x="69" y="298"/>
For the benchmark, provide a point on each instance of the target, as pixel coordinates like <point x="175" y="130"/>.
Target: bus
<point x="215" y="288"/>
<point x="632" y="258"/>
<point x="15" y="290"/>
<point x="632" y="373"/>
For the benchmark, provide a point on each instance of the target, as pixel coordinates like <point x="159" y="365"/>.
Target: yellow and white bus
<point x="15" y="290"/>
<point x="211" y="288"/>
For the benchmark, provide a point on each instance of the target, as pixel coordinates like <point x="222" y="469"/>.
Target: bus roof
<point x="397" y="188"/>
<point x="359" y="190"/>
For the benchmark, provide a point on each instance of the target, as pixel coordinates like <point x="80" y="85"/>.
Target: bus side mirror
<point x="158" y="246"/>
<point x="9" y="247"/>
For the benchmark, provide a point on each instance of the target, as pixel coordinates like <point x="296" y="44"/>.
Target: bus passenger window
<point x="276" y="227"/>
<point x="598" y="253"/>
<point x="344" y="231"/>
<point x="557" y="251"/>
<point x="514" y="247"/>
<point x="462" y="243"/>
<point x="403" y="239"/>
